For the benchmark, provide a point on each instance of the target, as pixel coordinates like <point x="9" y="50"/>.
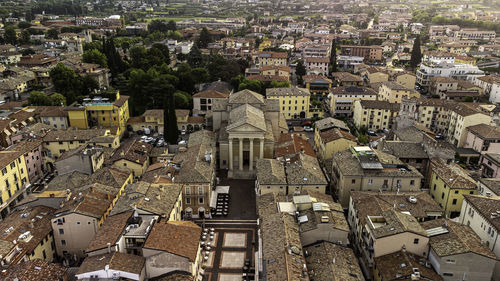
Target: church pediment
<point x="245" y="127"/>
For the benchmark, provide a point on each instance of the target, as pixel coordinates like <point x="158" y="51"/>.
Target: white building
<point x="481" y="213"/>
<point x="460" y="71"/>
<point x="495" y="93"/>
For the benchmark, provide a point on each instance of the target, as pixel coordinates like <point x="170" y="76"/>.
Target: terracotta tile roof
<point x="274" y="55"/>
<point x="345" y="267"/>
<point x="330" y="122"/>
<point x="391" y="267"/>
<point x="490" y="79"/>
<point x="270" y="171"/>
<point x="210" y="94"/>
<point x="20" y="221"/>
<point x="116" y="260"/>
<point x="486" y="206"/>
<point x="317" y="60"/>
<point x="36" y="270"/>
<point x="459" y="239"/>
<point x="378" y="104"/>
<point x="292" y="144"/>
<point x="452" y="174"/>
<point x="109" y="232"/>
<point x="181" y="238"/>
<point x="352" y="90"/>
<point x="90" y="203"/>
<point x="73" y="135"/>
<point x="266" y="78"/>
<point x="280" y="232"/>
<point x="196" y="120"/>
<point x="374" y="203"/>
<point x="346" y="77"/>
<point x="136" y="119"/>
<point x="132" y="150"/>
<point x="485" y="131"/>
<point x="336" y="134"/>
<point x="315" y="77"/>
<point x="156" y="113"/>
<point x="50" y="111"/>
<point x="180" y="112"/>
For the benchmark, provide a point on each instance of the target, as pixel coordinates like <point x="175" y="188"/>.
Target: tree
<point x="194" y="58"/>
<point x="24" y="25"/>
<point x="300" y="70"/>
<point x="57" y="99"/>
<point x="25" y="37"/>
<point x="204" y="39"/>
<point x="95" y="56"/>
<point x="416" y="54"/>
<point x="38" y="98"/>
<point x="182" y="100"/>
<point x="27" y="52"/>
<point x="252" y="85"/>
<point x="171" y="25"/>
<point x="52" y="33"/>
<point x="10" y="35"/>
<point x="65" y="82"/>
<point x="170" y="130"/>
<point x="333" y="57"/>
<point x="97" y="45"/>
<point x="157" y="25"/>
<point x="41" y="99"/>
<point x="164" y="51"/>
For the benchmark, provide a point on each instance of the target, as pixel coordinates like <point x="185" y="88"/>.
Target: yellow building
<point x="272" y="58"/>
<point x="100" y="112"/>
<point x="27" y="236"/>
<point x="394" y="92"/>
<point x="294" y="102"/>
<point x="375" y="75"/>
<point x="132" y="155"/>
<point x="450" y="119"/>
<point x="318" y="85"/>
<point x="374" y="114"/>
<point x="55" y="143"/>
<point x="14" y="179"/>
<point x="77" y="116"/>
<point x="407" y="79"/>
<point x="448" y="184"/>
<point x="332" y="141"/>
<point x="454" y="48"/>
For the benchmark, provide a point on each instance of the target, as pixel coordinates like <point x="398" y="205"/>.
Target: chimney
<point x="109" y="247"/>
<point x="108" y="196"/>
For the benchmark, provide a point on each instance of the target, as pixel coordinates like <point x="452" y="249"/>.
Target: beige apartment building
<point x="387" y="233"/>
<point x="375" y="114"/>
<point x="342" y="99"/>
<point x="394" y="92"/>
<point x="363" y="169"/>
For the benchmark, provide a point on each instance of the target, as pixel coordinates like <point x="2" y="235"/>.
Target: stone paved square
<point x="232" y="259"/>
<point x="234" y="240"/>
<point x="229" y="277"/>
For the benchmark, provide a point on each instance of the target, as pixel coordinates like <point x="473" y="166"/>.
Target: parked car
<point x="308" y="129"/>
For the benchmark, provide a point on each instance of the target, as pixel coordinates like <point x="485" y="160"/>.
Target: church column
<point x="251" y="154"/>
<point x="230" y="154"/>
<point x="262" y="148"/>
<point x="240" y="158"/>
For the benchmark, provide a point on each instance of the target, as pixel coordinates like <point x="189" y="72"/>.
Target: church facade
<point x="247" y="126"/>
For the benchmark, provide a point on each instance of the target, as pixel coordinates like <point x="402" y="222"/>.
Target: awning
<point x="6" y="132"/>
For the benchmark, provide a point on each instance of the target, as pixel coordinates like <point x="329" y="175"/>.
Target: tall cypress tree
<point x="416" y="53"/>
<point x="170" y="130"/>
<point x="333" y="57"/>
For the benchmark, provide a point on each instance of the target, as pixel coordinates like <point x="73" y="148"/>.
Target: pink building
<point x="490" y="165"/>
<point x="32" y="149"/>
<point x="483" y="138"/>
